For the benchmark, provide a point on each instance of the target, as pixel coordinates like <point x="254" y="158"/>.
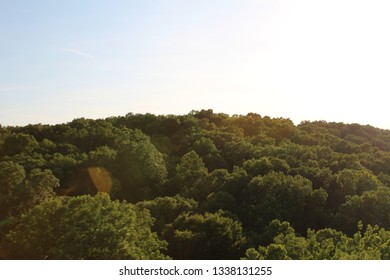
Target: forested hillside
<point x="196" y="186"/>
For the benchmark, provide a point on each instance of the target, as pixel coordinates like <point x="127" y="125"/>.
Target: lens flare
<point x="101" y="178"/>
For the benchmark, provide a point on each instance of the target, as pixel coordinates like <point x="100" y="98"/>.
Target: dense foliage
<point x="84" y="227"/>
<point x="199" y="186"/>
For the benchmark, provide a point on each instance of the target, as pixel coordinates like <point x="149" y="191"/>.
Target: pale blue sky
<point x="303" y="59"/>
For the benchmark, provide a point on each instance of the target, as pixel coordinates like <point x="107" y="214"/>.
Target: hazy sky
<point x="303" y="60"/>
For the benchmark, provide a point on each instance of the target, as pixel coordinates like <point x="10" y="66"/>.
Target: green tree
<point x="17" y="143"/>
<point x="280" y="196"/>
<point x="208" y="236"/>
<point x="220" y="201"/>
<point x="235" y="182"/>
<point x="140" y="167"/>
<point x="325" y="244"/>
<point x="84" y="227"/>
<point x="286" y="244"/>
<point x="12" y="188"/>
<point x="65" y="167"/>
<point x="190" y="176"/>
<point x="257" y="167"/>
<point x="238" y="151"/>
<point x="47" y="146"/>
<point x="372" y="207"/>
<point x="19" y="191"/>
<point x="357" y="181"/>
<point x="207" y="150"/>
<point x="166" y="209"/>
<point x="103" y="156"/>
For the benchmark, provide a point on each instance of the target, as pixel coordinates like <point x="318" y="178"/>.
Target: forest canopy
<point x="199" y="186"/>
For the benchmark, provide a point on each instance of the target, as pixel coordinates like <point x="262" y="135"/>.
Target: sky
<point x="302" y="59"/>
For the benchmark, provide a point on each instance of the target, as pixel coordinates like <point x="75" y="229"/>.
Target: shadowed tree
<point x="19" y="191"/>
<point x="140" y="168"/>
<point x="208" y="236"/>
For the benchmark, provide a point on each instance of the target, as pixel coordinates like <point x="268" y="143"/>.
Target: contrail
<point x="86" y="55"/>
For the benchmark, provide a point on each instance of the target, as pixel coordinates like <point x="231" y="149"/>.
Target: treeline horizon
<point x="203" y="185"/>
<point x="230" y="115"/>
